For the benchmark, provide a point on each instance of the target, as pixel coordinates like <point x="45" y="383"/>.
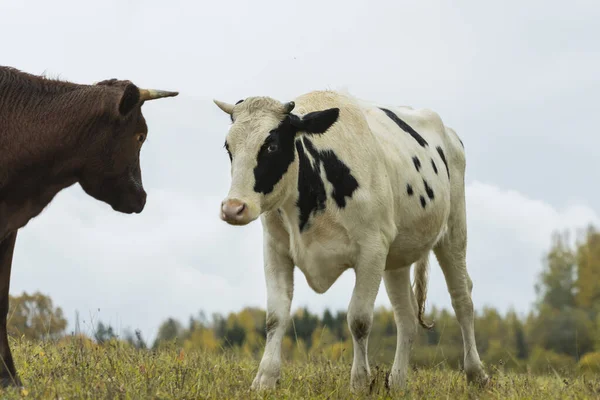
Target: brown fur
<point x="54" y="134"/>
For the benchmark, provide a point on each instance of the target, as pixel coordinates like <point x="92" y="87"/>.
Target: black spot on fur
<point x="311" y="190"/>
<point x="316" y="122"/>
<point x="423" y="202"/>
<point x="428" y="190"/>
<point x="405" y="127"/>
<point x="360" y="328"/>
<point x="409" y="189"/>
<point x="443" y="156"/>
<point x="434" y="166"/>
<point x="272" y="166"/>
<point x="239" y="101"/>
<point x="337" y="173"/>
<point x="417" y="163"/>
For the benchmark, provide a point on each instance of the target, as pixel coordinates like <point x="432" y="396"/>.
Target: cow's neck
<point x="288" y="204"/>
<point x="42" y="154"/>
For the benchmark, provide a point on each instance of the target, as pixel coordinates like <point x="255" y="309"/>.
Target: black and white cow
<point x="343" y="183"/>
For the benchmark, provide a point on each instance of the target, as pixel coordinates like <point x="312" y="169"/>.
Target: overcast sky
<point x="519" y="82"/>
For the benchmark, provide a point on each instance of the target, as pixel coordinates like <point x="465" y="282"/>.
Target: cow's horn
<point x="288" y="107"/>
<point x="151" y="94"/>
<point x="228" y="108"/>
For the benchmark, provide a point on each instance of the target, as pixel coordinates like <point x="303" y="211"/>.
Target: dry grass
<point x="80" y="369"/>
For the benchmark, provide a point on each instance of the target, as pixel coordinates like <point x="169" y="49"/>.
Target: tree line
<point x="560" y="333"/>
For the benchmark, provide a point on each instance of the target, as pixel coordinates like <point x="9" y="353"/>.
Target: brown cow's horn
<point x="151" y="94"/>
<point x="288" y="107"/>
<point x="228" y="108"/>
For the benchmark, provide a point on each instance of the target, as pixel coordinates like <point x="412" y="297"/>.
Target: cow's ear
<point x="316" y="122"/>
<point x="129" y="99"/>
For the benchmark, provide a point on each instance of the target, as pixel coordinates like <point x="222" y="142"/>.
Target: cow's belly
<point x="322" y="262"/>
<point x="405" y="251"/>
<point x="414" y="241"/>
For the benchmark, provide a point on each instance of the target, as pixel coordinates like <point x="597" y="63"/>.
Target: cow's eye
<point x="141" y="137"/>
<point x="272" y="148"/>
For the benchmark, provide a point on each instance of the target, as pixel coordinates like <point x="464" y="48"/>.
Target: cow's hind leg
<point x="8" y="373"/>
<point x="369" y="271"/>
<point x="397" y="284"/>
<point x="451" y="254"/>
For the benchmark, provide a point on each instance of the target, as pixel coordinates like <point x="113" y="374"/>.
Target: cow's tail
<point x="420" y="289"/>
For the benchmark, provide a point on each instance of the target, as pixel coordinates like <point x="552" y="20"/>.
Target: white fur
<point x="380" y="233"/>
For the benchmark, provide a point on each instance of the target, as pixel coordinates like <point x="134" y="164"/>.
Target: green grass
<point x="74" y="369"/>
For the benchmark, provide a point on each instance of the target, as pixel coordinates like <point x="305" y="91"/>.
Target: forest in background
<point x="560" y="333"/>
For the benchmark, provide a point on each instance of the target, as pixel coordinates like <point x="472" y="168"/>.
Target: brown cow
<point x="54" y="134"/>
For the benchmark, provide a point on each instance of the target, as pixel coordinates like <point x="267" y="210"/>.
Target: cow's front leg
<point x="279" y="275"/>
<point x="8" y="373"/>
<point x="369" y="272"/>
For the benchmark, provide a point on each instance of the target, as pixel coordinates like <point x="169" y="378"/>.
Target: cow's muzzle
<point x="235" y="212"/>
<point x="133" y="203"/>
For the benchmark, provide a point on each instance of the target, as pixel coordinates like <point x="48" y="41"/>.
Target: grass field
<point x="79" y="370"/>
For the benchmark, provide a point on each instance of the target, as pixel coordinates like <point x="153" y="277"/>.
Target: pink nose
<point x="234" y="211"/>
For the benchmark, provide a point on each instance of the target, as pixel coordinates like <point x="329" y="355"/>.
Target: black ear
<point x="130" y="98"/>
<point x="316" y="122"/>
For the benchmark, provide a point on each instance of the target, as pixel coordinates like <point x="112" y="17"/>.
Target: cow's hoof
<point x="263" y="381"/>
<point x="477" y="377"/>
<point x="9" y="381"/>
<point x="396" y="381"/>
<point x="359" y="383"/>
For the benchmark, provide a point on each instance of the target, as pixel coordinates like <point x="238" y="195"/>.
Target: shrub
<point x="590" y="363"/>
<point x="548" y="361"/>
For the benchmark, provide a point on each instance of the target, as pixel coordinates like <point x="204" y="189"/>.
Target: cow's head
<point x="111" y="171"/>
<point x="261" y="147"/>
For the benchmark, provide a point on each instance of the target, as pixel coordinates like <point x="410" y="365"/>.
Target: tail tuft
<point x="420" y="289"/>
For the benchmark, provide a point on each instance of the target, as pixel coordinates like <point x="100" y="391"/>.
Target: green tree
<point x="136" y="340"/>
<point x="569" y="332"/>
<point x="520" y="341"/>
<point x="328" y="320"/>
<point x="588" y="271"/>
<point x="235" y="335"/>
<point x="340" y="326"/>
<point x="35" y="317"/>
<point x="304" y="325"/>
<point x="169" y="330"/>
<point x="556" y="286"/>
<point x="104" y="333"/>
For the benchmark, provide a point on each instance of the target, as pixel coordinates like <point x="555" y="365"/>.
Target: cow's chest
<point x="13" y="218"/>
<point x="322" y="256"/>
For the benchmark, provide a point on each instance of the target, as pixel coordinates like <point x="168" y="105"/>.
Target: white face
<point x="261" y="146"/>
<point x="261" y="143"/>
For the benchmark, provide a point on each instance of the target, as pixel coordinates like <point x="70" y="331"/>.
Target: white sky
<point x="519" y="82"/>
